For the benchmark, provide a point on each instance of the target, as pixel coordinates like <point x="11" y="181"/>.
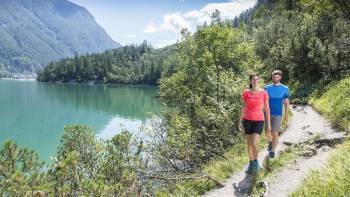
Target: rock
<point x="305" y="127"/>
<point x="328" y="141"/>
<point x="326" y="148"/>
<point x="288" y="143"/>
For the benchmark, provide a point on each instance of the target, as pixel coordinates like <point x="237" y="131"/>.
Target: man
<point x="278" y="96"/>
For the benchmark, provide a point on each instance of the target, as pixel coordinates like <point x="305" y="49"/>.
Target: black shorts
<point x="251" y="126"/>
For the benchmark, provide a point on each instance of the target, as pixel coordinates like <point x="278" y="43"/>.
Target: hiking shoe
<point x="271" y="154"/>
<point x="269" y="147"/>
<point x="255" y="167"/>
<point x="249" y="169"/>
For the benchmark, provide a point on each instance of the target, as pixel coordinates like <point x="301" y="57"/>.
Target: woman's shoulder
<point x="264" y="92"/>
<point x="246" y="91"/>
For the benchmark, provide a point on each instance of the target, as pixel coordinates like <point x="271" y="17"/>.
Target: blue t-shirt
<point x="277" y="93"/>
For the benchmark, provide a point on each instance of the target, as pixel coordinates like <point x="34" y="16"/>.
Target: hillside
<point x="132" y="64"/>
<point x="33" y="33"/>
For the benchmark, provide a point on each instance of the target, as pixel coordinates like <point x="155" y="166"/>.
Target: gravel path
<point x="305" y="122"/>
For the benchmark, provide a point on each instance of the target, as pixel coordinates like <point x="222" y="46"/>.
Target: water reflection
<point x="34" y="114"/>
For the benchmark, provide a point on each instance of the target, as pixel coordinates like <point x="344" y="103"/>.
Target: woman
<point x="252" y="118"/>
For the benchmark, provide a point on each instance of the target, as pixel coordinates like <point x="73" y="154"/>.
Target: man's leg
<point x="268" y="135"/>
<point x="274" y="140"/>
<point x="275" y="127"/>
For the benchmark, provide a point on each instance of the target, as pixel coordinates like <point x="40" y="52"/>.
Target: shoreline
<point x="93" y="83"/>
<point x="19" y="79"/>
<point x="81" y="83"/>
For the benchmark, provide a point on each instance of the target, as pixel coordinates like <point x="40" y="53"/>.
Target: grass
<point x="333" y="179"/>
<point x="335" y="104"/>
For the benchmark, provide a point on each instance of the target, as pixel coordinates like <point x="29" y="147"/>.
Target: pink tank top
<point x="254" y="104"/>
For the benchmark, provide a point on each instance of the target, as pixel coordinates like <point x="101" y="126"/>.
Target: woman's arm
<point x="267" y="110"/>
<point x="240" y="123"/>
<point x="244" y="97"/>
<point x="242" y="112"/>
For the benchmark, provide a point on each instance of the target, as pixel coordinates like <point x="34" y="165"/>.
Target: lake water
<point x="34" y="114"/>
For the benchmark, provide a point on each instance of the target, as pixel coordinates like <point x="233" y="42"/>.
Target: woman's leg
<point x="250" y="147"/>
<point x="254" y="143"/>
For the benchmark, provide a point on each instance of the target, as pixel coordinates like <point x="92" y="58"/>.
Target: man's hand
<point x="286" y="120"/>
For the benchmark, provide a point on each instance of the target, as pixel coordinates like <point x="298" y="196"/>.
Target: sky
<point x="157" y="21"/>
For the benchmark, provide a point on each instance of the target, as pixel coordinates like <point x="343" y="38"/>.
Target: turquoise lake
<point x="33" y="114"/>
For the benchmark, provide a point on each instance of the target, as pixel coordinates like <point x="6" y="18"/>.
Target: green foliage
<point x="134" y="64"/>
<point x="83" y="166"/>
<point x="205" y="91"/>
<point x="20" y="170"/>
<point x="309" y="43"/>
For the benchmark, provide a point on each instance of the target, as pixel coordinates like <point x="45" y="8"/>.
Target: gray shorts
<point x="275" y="123"/>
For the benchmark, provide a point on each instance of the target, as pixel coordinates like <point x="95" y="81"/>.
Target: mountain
<point x="36" y="32"/>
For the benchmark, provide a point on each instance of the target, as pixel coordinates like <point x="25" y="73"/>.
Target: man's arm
<point x="286" y="110"/>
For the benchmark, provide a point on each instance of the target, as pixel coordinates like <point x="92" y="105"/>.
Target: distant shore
<point x="19" y="79"/>
<point x="12" y="76"/>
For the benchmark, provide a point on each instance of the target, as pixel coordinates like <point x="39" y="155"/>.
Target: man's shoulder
<point x="275" y="86"/>
<point x="284" y="86"/>
<point x="268" y="86"/>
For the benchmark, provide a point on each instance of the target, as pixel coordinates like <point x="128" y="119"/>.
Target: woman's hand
<point x="240" y="124"/>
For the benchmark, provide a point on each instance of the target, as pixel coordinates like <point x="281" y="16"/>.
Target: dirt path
<point x="304" y="123"/>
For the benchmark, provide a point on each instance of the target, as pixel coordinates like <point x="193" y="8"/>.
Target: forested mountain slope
<point x="33" y="33"/>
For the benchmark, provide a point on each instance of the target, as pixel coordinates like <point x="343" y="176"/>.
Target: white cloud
<point x="193" y="14"/>
<point x="172" y="23"/>
<point x="227" y="10"/>
<point x="150" y="28"/>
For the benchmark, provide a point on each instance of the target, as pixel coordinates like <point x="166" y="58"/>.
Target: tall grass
<point x="335" y="104"/>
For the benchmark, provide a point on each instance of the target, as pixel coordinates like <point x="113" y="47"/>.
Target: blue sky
<point x="157" y="21"/>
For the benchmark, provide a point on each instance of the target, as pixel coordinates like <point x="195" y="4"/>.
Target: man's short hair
<point x="277" y="72"/>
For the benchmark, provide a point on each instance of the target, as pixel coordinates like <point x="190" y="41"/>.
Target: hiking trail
<point x="304" y="124"/>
